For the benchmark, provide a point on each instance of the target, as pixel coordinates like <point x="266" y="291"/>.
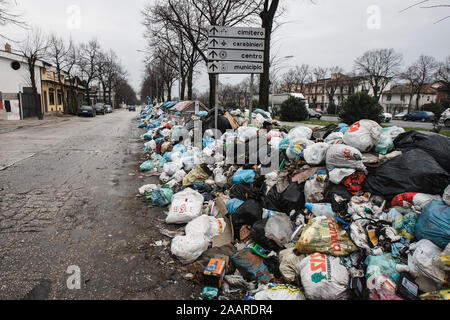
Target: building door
<point x="45" y="101"/>
<point x="29" y="105"/>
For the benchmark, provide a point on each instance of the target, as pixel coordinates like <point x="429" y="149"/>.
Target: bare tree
<point x="380" y="66"/>
<point x="289" y="80"/>
<point x="58" y="53"/>
<point x="419" y="74"/>
<point x="443" y="73"/>
<point x="34" y="48"/>
<point x="332" y="85"/>
<point x="303" y="76"/>
<point x="87" y="64"/>
<point x="8" y="17"/>
<point x="319" y="74"/>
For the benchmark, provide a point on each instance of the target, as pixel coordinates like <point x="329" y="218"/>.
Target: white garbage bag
<point x="147" y="188"/>
<point x="316" y="153"/>
<point x="186" y="206"/>
<point x="343" y="156"/>
<point x="363" y="135"/>
<point x="337" y="175"/>
<point x="279" y="228"/>
<point x="300" y="132"/>
<point x="170" y="168"/>
<point x="428" y="276"/>
<point x="207" y="226"/>
<point x="334" y="138"/>
<point x="446" y="196"/>
<point x="190" y="247"/>
<point x="219" y="178"/>
<point x="324" y="277"/>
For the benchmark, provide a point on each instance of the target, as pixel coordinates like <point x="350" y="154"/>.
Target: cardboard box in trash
<point x="228" y="235"/>
<point x="215" y="271"/>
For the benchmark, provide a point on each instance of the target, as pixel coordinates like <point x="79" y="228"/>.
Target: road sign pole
<point x="251" y="98"/>
<point x="216" y="116"/>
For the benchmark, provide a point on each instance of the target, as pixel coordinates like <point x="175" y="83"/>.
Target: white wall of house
<point x="401" y="102"/>
<point x="13" y="81"/>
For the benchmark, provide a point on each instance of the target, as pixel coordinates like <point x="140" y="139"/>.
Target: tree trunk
<point x="212" y="90"/>
<point x="264" y="83"/>
<point x="39" y="112"/>
<point x="183" y="87"/>
<point x="190" y="82"/>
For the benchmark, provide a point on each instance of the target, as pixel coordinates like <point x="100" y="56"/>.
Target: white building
<point x="15" y="85"/>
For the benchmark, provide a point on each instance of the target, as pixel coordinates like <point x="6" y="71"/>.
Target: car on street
<point x="108" y="108"/>
<point x="100" y="108"/>
<point x="400" y="116"/>
<point x="132" y="108"/>
<point x="445" y="118"/>
<point x="387" y="117"/>
<point x="314" y="114"/>
<point x="86" y="111"/>
<point x="419" y="116"/>
<point x="318" y="110"/>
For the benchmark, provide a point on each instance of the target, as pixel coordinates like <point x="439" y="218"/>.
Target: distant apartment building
<point x="399" y="98"/>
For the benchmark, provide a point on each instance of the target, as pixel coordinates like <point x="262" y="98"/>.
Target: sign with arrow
<point x="236" y="44"/>
<point x="236" y="32"/>
<point x="235" y="55"/>
<point x="235" y="67"/>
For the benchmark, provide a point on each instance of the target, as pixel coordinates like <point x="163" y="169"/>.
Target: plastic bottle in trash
<point x="321" y="209"/>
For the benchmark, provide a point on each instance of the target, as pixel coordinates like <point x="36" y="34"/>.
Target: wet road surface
<point x="68" y="201"/>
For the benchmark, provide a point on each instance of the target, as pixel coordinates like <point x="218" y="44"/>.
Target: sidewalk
<point x="12" y="125"/>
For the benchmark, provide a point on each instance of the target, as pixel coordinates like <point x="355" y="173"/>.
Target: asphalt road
<point x="68" y="197"/>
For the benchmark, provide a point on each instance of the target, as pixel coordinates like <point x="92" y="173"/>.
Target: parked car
<point x="400" y="116"/>
<point x="318" y="110"/>
<point x="419" y="116"/>
<point x="314" y="114"/>
<point x="132" y="108"/>
<point x="100" y="108"/>
<point x="445" y="118"/>
<point x="387" y="117"/>
<point x="108" y="108"/>
<point x="86" y="111"/>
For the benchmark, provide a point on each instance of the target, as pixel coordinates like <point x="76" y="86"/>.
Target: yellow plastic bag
<point x="324" y="235"/>
<point x="198" y="173"/>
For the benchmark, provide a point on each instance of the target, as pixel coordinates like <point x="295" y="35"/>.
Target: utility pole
<point x="251" y="98"/>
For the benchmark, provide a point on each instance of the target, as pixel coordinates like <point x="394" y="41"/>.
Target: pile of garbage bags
<point x="359" y="212"/>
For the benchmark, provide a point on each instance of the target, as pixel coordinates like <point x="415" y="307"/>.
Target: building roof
<point x="406" y="89"/>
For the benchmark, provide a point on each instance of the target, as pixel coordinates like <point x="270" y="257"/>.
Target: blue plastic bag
<point x="382" y="264"/>
<point x="147" y="166"/>
<point x="244" y="176"/>
<point x="167" y="156"/>
<point x="207" y="142"/>
<point x="142" y="125"/>
<point x="233" y="205"/>
<point x="148" y="137"/>
<point x="434" y="223"/>
<point x="179" y="148"/>
<point x="162" y="197"/>
<point x="342" y="127"/>
<point x="202" y="114"/>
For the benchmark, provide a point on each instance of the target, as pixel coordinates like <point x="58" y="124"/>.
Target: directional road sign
<point x="235" y="67"/>
<point x="235" y="43"/>
<point x="236" y="32"/>
<point x="235" y="55"/>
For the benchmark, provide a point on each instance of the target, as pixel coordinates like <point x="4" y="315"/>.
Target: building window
<point x="389" y="97"/>
<point x="402" y="97"/>
<point x="59" y="97"/>
<point x="51" y="97"/>
<point x="7" y="106"/>
<point x="428" y="98"/>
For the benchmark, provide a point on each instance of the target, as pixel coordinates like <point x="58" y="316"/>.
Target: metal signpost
<point x="235" y="50"/>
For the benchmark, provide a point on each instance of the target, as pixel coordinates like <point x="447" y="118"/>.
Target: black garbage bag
<point x="258" y="235"/>
<point x="414" y="171"/>
<point x="222" y="123"/>
<point x="273" y="264"/>
<point x="341" y="191"/>
<point x="322" y="133"/>
<point x="437" y="145"/>
<point x="272" y="201"/>
<point x="247" y="214"/>
<point x="245" y="191"/>
<point x="293" y="198"/>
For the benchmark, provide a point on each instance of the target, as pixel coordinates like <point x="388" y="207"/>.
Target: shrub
<point x="293" y="109"/>
<point x="361" y="106"/>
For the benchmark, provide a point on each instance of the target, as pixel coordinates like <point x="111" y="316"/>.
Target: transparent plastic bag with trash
<point x="186" y="206"/>
<point x="363" y="135"/>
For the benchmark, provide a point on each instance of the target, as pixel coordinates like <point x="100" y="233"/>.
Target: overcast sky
<point x="327" y="33"/>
